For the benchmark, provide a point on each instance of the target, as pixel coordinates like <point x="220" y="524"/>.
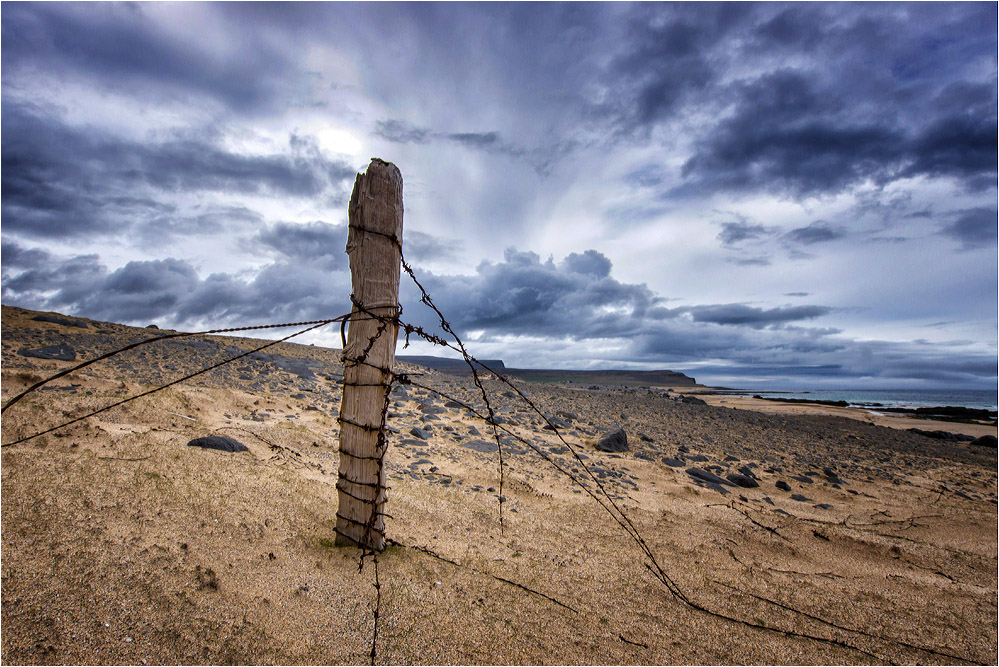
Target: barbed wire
<point x="604" y="498"/>
<point x="600" y="495"/>
<point x="315" y="325"/>
<point x="156" y="339"/>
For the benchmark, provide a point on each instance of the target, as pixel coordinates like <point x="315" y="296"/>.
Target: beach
<point x="736" y="531"/>
<point x="871" y="416"/>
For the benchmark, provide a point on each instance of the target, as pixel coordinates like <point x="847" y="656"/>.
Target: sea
<point x="872" y="399"/>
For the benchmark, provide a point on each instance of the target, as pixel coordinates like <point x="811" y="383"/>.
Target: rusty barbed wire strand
<point x="157" y="339"/>
<point x="319" y="323"/>
<point x="446" y="327"/>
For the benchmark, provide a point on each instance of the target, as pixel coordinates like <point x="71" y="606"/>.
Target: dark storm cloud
<point x="427" y="247"/>
<point x="669" y="57"/>
<point x="757" y="318"/>
<point x="120" y="47"/>
<point x="974" y="228"/>
<point x="60" y="180"/>
<point x="35" y="278"/>
<point x="401" y="132"/>
<point x="848" y="93"/>
<point x="171" y="290"/>
<point x="750" y="261"/>
<point x="479" y="140"/>
<point x="817" y="232"/>
<point x="155" y="230"/>
<point x="734" y="233"/>
<point x="307" y="241"/>
<point x="781" y="138"/>
<point x="524" y="295"/>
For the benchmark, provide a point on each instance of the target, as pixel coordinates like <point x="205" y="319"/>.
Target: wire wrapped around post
<point x="374" y="244"/>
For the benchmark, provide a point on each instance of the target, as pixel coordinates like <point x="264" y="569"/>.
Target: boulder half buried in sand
<point x="64" y="321"/>
<point x="705" y="476"/>
<point x="60" y="352"/>
<point x="613" y="441"/>
<point x="985" y="441"/>
<point x="218" y="442"/>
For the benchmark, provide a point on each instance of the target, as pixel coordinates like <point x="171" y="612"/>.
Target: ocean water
<point x="891" y="398"/>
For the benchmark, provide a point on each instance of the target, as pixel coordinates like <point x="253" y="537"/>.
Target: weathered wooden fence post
<point x="374" y="246"/>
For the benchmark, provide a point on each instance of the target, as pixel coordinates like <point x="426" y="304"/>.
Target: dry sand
<point x="121" y="544"/>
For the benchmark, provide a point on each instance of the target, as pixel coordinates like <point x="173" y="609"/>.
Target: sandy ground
<point x="121" y="544"/>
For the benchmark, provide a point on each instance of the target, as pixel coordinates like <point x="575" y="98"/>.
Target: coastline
<point x="896" y="421"/>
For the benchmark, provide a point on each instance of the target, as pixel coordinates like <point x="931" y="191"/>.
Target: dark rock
<point x="60" y="352"/>
<point x="218" y="442"/>
<point x="800" y="498"/>
<point x="824" y="506"/>
<point x="700" y="458"/>
<point x="555" y="422"/>
<point x="644" y="438"/>
<point x="676" y="463"/>
<point x="985" y="441"/>
<point x="692" y="400"/>
<point x="782" y="485"/>
<point x="942" y="435"/>
<point x="613" y="441"/>
<point x="484" y="446"/>
<point x="683" y="448"/>
<point x="802" y="479"/>
<point x="747" y="471"/>
<point x="419" y="433"/>
<point x="744" y="481"/>
<point x="706" y="476"/>
<point x="730" y="459"/>
<point x="64" y="321"/>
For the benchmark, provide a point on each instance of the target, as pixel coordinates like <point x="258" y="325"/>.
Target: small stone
<point x="613" y="441"/>
<point x="64" y="321"/>
<point x="60" y="352"/>
<point x="782" y="485"/>
<point x="708" y="477"/>
<point x="219" y="443"/>
<point x="744" y="481"/>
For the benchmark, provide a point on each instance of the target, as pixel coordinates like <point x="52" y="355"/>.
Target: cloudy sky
<point x="797" y="195"/>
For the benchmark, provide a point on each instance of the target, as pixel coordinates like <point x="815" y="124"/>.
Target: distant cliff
<point x="450" y="366"/>
<point x="661" y="378"/>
